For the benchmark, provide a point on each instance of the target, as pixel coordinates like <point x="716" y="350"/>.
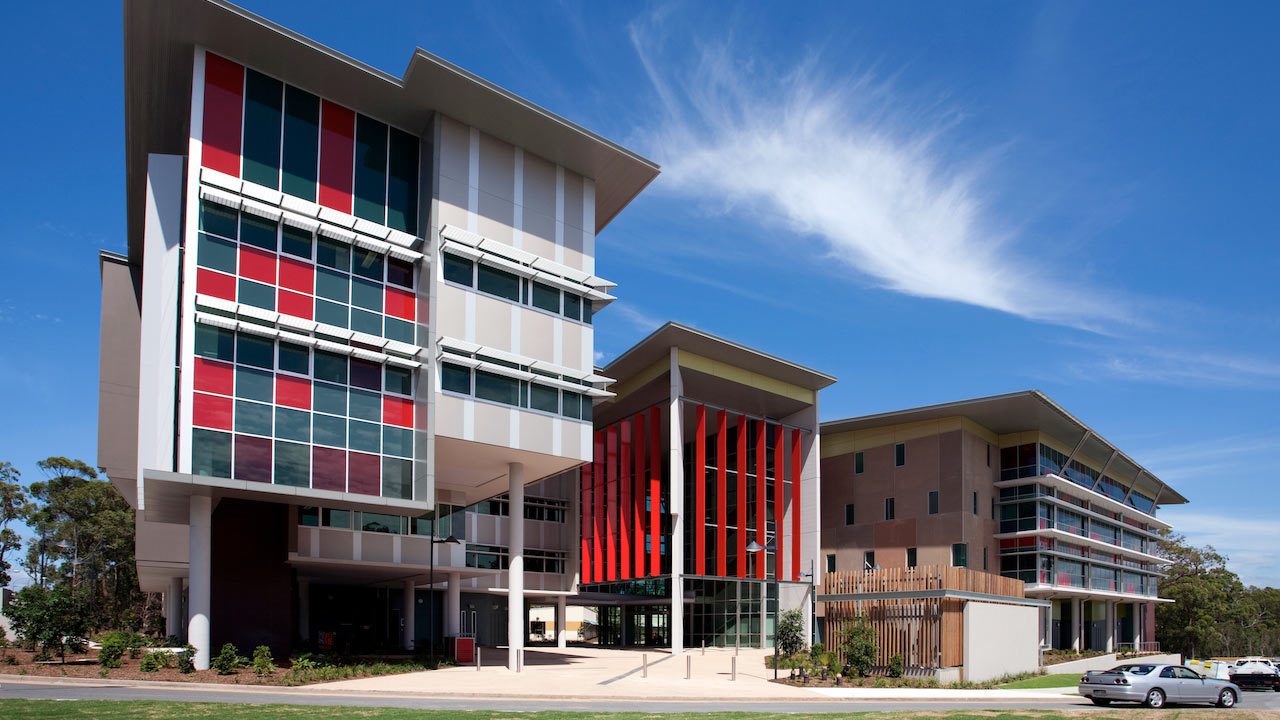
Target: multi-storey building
<point x="1011" y="484"/>
<point x="352" y="304"/>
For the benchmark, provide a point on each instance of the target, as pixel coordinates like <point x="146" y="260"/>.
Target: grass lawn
<point x="1044" y="681"/>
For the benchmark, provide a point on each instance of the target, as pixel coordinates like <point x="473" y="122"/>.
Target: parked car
<point x="1255" y="672"/>
<point x="1155" y="685"/>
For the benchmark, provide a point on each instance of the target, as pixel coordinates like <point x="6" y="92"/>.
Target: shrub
<point x="227" y="660"/>
<point x="896" y="666"/>
<point x="858" y="645"/>
<point x="155" y="661"/>
<point x="790" y="632"/>
<point x="834" y="666"/>
<point x="187" y="660"/>
<point x="52" y="618"/>
<point x="263" y="663"/>
<point x="113" y="647"/>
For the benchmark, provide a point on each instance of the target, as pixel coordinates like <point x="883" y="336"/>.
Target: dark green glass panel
<point x="370" y="184"/>
<point x="498" y="388"/>
<point x="255" y="351"/>
<point x="401" y="330"/>
<point x="217" y="219"/>
<point x="256" y="294"/>
<point x="399" y="380"/>
<point x="258" y="232"/>
<point x="498" y="282"/>
<point x="365" y="436"/>
<point x="454" y="378"/>
<point x="295" y="241"/>
<point x="544" y="398"/>
<point x="210" y="453"/>
<point x="262" y="100"/>
<point x="397" y="478"/>
<point x="293" y="424"/>
<point x="295" y="358"/>
<point x="332" y="285"/>
<point x="253" y="418"/>
<point x="572" y="306"/>
<point x="331" y="367"/>
<point x="546" y="297"/>
<point x="402" y="182"/>
<point x="331" y="313"/>
<point x="366" y="294"/>
<point x="329" y="399"/>
<point x="216" y="253"/>
<point x="458" y="270"/>
<point x="255" y="384"/>
<point x="366" y="322"/>
<point x="301" y="143"/>
<point x="333" y="254"/>
<point x="293" y="464"/>
<point x="330" y="431"/>
<point x="214" y="342"/>
<point x="397" y="441"/>
<point x="366" y="405"/>
<point x="367" y="263"/>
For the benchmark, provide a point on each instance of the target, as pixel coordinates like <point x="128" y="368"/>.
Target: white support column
<point x="198" y="601"/>
<point x="304" y="609"/>
<point x="1111" y="626"/>
<point x="562" y="621"/>
<point x="408" y="616"/>
<point x="515" y="552"/>
<point x="453" y="606"/>
<point x="675" y="449"/>
<point x="1139" y="617"/>
<point x="1077" y="620"/>
<point x="173" y="608"/>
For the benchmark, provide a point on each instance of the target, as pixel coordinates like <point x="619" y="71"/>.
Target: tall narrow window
<point x="888" y="509"/>
<point x="831" y="563"/>
<point x="959" y="555"/>
<point x="370" y="183"/>
<point x="911" y="557"/>
<point x="988" y="454"/>
<point x="900" y="454"/>
<point x="301" y="152"/>
<point x="263" y="97"/>
<point x="869" y="560"/>
<point x="402" y="182"/>
<point x="933" y="502"/>
<point x="857" y="463"/>
<point x="848" y="514"/>
<point x="975" y="502"/>
<point x="984" y="558"/>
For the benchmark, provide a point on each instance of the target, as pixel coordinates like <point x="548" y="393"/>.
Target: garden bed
<point x="85" y="665"/>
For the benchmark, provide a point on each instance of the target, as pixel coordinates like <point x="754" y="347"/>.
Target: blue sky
<point x="931" y="201"/>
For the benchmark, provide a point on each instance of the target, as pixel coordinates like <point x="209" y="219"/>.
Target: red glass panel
<point x="624" y="498"/>
<point x="611" y="510"/>
<point x="211" y="411"/>
<point x="401" y="304"/>
<point x="700" y="490"/>
<point x="722" y="494"/>
<point x="762" y="455"/>
<point x="397" y="411"/>
<point x="779" y="497"/>
<point x="215" y="377"/>
<point x="655" y="491"/>
<point x="291" y="303"/>
<point x="328" y="469"/>
<point x="365" y="474"/>
<point x="293" y="392"/>
<point x="215" y="284"/>
<point x="796" y="469"/>
<point x="223" y="107"/>
<point x="597" y="506"/>
<point x="637" y="497"/>
<point x="253" y="458"/>
<point x="337" y="155"/>
<point x="297" y="275"/>
<point x="742" y="496"/>
<point x="257" y="264"/>
<point x="587" y="513"/>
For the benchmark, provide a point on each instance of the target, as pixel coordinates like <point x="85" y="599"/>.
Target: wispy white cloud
<point x="1207" y="462"/>
<point x="1248" y="542"/>
<point x="1177" y="367"/>
<point x="634" y="316"/>
<point x="844" y="164"/>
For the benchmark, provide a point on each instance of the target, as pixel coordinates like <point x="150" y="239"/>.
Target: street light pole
<point x="754" y="547"/>
<point x="431" y="595"/>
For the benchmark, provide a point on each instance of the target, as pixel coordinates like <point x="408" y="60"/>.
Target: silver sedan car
<point x="1156" y="685"/>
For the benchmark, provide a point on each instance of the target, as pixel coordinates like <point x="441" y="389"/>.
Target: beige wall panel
<point x="493" y="323"/>
<point x="573" y="250"/>
<point x="376" y="547"/>
<point x="453" y="203"/>
<point x="454" y="150"/>
<point x="335" y="544"/>
<point x="571" y="346"/>
<point x="535" y="431"/>
<point x="497" y="217"/>
<point x="493" y="424"/>
<point x="537" y="338"/>
<point x="571" y="439"/>
<point x="539" y="234"/>
<point x="539" y="186"/>
<point x="497" y="168"/>
<point x="414" y="550"/>
<point x="573" y="199"/>
<point x="449" y="414"/>
<point x="452" y="320"/>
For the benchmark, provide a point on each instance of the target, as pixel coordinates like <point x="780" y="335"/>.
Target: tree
<point x="1206" y="610"/>
<point x="858" y="645"/>
<point x="790" y="632"/>
<point x="84" y="541"/>
<point x="54" y="619"/>
<point x="14" y="507"/>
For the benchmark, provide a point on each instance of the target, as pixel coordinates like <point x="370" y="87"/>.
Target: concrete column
<point x="173" y="608"/>
<point x="409" y="615"/>
<point x="562" y="621"/>
<point x="1139" y="617"/>
<point x="198" y="602"/>
<point x="1077" y="619"/>
<point x="453" y="606"/>
<point x="515" y="552"/>
<point x="675" y="450"/>
<point x="304" y="609"/>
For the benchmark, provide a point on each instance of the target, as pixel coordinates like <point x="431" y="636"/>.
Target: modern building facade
<point x="354" y="326"/>
<point x="1012" y="484"/>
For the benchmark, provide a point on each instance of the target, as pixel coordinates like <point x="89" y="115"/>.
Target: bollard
<point x="733" y="668"/>
<point x="704" y="647"/>
<point x="688" y="667"/>
<point x="520" y="660"/>
<point x="644" y="665"/>
<point x="477" y="658"/>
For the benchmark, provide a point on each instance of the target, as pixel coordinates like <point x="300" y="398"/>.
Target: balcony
<point x="1096" y="499"/>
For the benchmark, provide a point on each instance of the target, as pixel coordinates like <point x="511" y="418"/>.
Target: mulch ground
<point x="86" y="666"/>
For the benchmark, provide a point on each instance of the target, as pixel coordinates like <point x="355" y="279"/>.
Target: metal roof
<point x="159" y="39"/>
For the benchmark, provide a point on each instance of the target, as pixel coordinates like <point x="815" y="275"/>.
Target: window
<point x="455" y="378"/>
<point x="544" y="398"/>
<point x="848" y="514"/>
<point x="572" y="306"/>
<point x="498" y="388"/>
<point x="984" y="558"/>
<point x="900" y="454"/>
<point x="960" y="555"/>
<point x="295" y="358"/>
<point x="988" y="454"/>
<point x="498" y="282"/>
<point x="295" y="242"/>
<point x="215" y="343"/>
<point x="888" y="509"/>
<point x="857" y="463"/>
<point x="399" y="381"/>
<point x="911" y="557"/>
<point x="546" y="297"/>
<point x="933" y="502"/>
<point x="975" y="502"/>
<point x="459" y="270"/>
<point x="869" y="560"/>
<point x="831" y="563"/>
